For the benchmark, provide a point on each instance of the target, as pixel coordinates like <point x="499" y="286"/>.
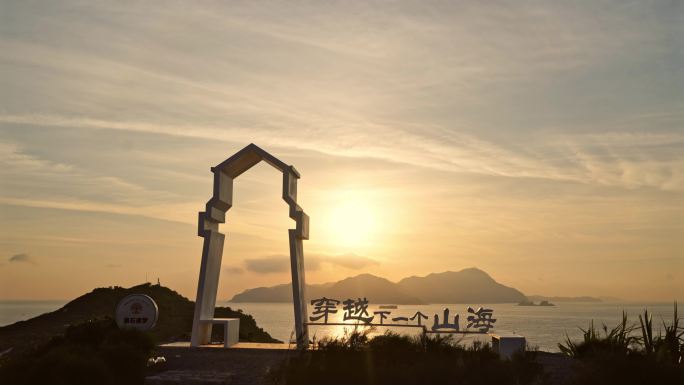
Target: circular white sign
<point x="137" y="311"/>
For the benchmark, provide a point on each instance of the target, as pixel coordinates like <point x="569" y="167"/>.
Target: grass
<point x="397" y="359"/>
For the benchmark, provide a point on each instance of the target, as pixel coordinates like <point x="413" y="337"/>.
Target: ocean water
<point x="544" y="327"/>
<point x="14" y="311"/>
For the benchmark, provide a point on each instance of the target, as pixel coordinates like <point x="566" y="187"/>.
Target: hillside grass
<point x="174" y="323"/>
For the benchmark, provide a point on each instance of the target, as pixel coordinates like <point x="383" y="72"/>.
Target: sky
<point x="540" y="141"/>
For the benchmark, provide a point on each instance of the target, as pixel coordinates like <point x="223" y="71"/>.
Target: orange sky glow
<point x="541" y="142"/>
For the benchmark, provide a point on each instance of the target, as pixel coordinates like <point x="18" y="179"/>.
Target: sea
<point x="543" y="327"/>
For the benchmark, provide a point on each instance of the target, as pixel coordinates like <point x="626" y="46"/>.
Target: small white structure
<point x="212" y="250"/>
<point x="507" y="344"/>
<point x="231" y="329"/>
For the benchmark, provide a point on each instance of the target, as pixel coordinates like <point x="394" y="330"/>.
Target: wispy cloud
<point x="312" y="262"/>
<point x="65" y="186"/>
<point x="233" y="270"/>
<point x="349" y="261"/>
<point x="631" y="153"/>
<point x="267" y="265"/>
<point x="397" y="83"/>
<point x="21" y="258"/>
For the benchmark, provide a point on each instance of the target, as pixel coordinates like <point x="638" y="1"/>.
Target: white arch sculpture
<point x="212" y="250"/>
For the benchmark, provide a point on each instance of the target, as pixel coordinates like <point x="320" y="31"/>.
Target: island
<point x="527" y="302"/>
<point x="470" y="285"/>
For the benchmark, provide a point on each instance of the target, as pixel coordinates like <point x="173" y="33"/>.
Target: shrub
<point x="95" y="352"/>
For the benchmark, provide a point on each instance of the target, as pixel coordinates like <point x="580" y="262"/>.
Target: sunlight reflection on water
<point x="544" y="327"/>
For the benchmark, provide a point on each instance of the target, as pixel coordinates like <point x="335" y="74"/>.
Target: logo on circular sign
<point x="137" y="311"/>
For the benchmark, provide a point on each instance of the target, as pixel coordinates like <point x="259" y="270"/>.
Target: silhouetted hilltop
<point x="465" y="286"/>
<point x="174" y="323"/>
<point x="278" y="293"/>
<point x="376" y="289"/>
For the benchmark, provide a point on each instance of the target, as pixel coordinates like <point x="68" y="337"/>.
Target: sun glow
<point x="351" y="222"/>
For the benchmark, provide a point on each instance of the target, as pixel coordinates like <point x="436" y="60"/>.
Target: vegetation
<point x="398" y="359"/>
<point x="94" y="352"/>
<point x="629" y="353"/>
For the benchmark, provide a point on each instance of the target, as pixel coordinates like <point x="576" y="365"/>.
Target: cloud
<point x="71" y="187"/>
<point x="393" y="83"/>
<point x="267" y="265"/>
<point x="349" y="261"/>
<point x="312" y="262"/>
<point x="233" y="270"/>
<point x="450" y="151"/>
<point x="21" y="258"/>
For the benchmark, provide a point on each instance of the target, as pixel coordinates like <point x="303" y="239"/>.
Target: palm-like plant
<point x="616" y="340"/>
<point x="647" y="340"/>
<point x="665" y="347"/>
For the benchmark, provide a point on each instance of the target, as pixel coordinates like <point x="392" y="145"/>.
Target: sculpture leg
<point x="207" y="287"/>
<point x="298" y="290"/>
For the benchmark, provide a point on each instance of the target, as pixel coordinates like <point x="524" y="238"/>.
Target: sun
<point x="351" y="222"/>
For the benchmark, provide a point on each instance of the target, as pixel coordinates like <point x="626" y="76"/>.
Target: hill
<point x="465" y="286"/>
<point x="378" y="290"/>
<point x="174" y="323"/>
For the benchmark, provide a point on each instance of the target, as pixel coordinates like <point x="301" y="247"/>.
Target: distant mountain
<point x="610" y="299"/>
<point x="378" y="290"/>
<point x="174" y="323"/>
<point x="278" y="293"/>
<point x="465" y="286"/>
<point x="538" y="298"/>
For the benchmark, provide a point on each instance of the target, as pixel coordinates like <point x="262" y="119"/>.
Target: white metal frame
<point x="212" y="250"/>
